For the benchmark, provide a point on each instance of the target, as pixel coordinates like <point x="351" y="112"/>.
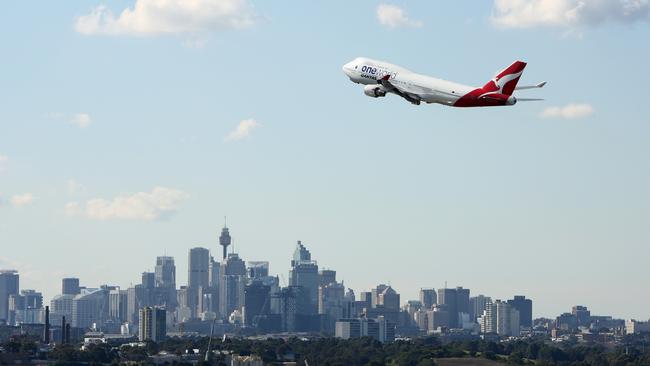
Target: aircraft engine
<point x="374" y="91"/>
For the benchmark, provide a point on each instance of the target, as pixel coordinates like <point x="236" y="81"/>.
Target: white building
<point x="634" y="326"/>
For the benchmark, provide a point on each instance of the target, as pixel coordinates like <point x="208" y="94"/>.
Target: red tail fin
<point x="505" y="81"/>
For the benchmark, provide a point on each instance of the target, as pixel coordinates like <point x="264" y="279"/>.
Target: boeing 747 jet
<point x="381" y="78"/>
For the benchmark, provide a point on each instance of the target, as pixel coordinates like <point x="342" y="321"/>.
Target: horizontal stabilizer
<point x="540" y="85"/>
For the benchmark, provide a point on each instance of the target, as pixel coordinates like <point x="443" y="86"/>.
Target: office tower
<point x="304" y="273"/>
<point x="61" y="306"/>
<point x="333" y="304"/>
<point x="152" y="326"/>
<point x="525" y="308"/>
<point x="457" y="301"/>
<point x="214" y="273"/>
<point x="90" y="307"/>
<point x="9" y="285"/>
<point x="500" y="318"/>
<point x="411" y="307"/>
<point x="477" y="306"/>
<point x="118" y="305"/>
<point x="257" y="300"/>
<point x="389" y="299"/>
<point x="231" y="288"/>
<point x="257" y="269"/>
<point x="224" y="241"/>
<point x="375" y="294"/>
<point x="165" y="272"/>
<point x="294" y="305"/>
<point x="148" y="280"/>
<point x="438" y="317"/>
<point x="198" y="276"/>
<point x="582" y="315"/>
<point x="326" y="276"/>
<point x="70" y="286"/>
<point x="16" y="309"/>
<point x="428" y="297"/>
<point x="198" y="267"/>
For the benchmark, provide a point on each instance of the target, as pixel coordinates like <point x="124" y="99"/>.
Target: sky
<point x="129" y="129"/>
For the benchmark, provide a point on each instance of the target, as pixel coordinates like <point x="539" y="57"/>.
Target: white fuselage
<point x="428" y="89"/>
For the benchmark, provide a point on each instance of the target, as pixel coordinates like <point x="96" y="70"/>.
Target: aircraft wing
<point x="405" y="91"/>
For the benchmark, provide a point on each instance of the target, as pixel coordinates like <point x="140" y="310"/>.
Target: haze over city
<point x="123" y="139"/>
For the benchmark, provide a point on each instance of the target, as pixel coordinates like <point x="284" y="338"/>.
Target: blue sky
<point x="115" y="147"/>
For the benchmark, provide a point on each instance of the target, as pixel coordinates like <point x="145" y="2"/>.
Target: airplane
<point x="381" y="78"/>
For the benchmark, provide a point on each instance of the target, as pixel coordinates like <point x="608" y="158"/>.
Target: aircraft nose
<point x="347" y="68"/>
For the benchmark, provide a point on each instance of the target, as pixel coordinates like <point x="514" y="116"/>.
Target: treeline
<point x="363" y="351"/>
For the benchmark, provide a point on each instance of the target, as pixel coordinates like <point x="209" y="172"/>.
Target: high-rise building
<point x="457" y="301"/>
<point x="152" y="325"/>
<point x="428" y="297"/>
<point x="198" y="276"/>
<point x="257" y="302"/>
<point x="333" y="304"/>
<point x="326" y="276"/>
<point x="233" y="282"/>
<point x="438" y="317"/>
<point x="148" y="280"/>
<point x="257" y="269"/>
<point x="582" y="314"/>
<point x="477" y="306"/>
<point x="375" y="294"/>
<point x="61" y="306"/>
<point x="70" y="286"/>
<point x="500" y="318"/>
<point x="118" y="305"/>
<point x="165" y="272"/>
<point x="9" y="285"/>
<point x="198" y="268"/>
<point x="90" y="307"/>
<point x="389" y="299"/>
<point x="304" y="273"/>
<point x="525" y="308"/>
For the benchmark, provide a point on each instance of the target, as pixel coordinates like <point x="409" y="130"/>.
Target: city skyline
<point x="121" y="142"/>
<point x="301" y="253"/>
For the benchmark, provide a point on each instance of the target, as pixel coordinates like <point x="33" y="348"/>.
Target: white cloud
<point x="158" y="17"/>
<point x="158" y="204"/>
<point x="567" y="13"/>
<point x="81" y="120"/>
<point x="393" y="16"/>
<point x="21" y="200"/>
<point x="243" y="130"/>
<point x="4" y="160"/>
<point x="570" y="111"/>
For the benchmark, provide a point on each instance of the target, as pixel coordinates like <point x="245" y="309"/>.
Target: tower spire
<point x="225" y="239"/>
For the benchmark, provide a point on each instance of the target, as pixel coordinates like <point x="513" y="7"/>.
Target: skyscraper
<point x="198" y="267"/>
<point x="304" y="273"/>
<point x="165" y="272"/>
<point x="148" y="280"/>
<point x="9" y="285"/>
<point x="257" y="301"/>
<point x="326" y="276"/>
<point x="257" y="269"/>
<point x="152" y="325"/>
<point x="500" y="318"/>
<point x="428" y="297"/>
<point x="457" y="301"/>
<point x="70" y="286"/>
<point x="477" y="306"/>
<point x="224" y="241"/>
<point x="231" y="288"/>
<point x="198" y="276"/>
<point x="525" y="308"/>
